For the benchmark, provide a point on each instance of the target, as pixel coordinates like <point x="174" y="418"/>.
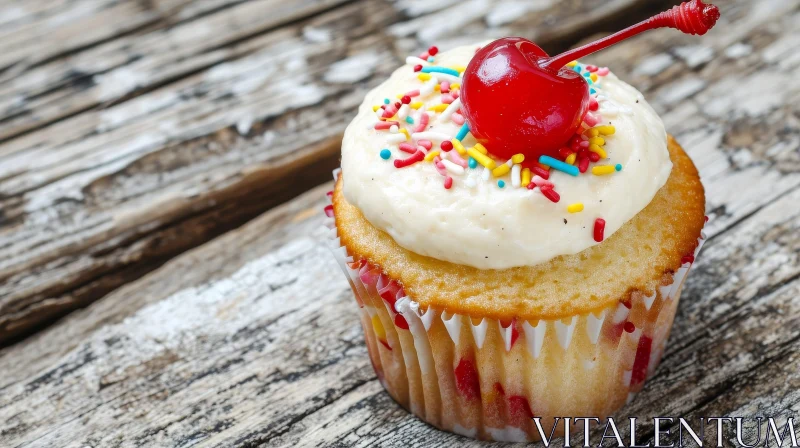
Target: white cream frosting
<point x="479" y="224"/>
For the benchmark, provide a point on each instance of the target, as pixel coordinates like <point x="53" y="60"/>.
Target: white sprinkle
<point x="428" y="87"/>
<point x="452" y="167"/>
<point x="486" y="173"/>
<point x="454" y="106"/>
<point x="379" y="113"/>
<point x="469" y="182"/>
<point x="396" y="138"/>
<point x="413" y="60"/>
<point x="430" y="135"/>
<point x="445" y="77"/>
<point x="403" y="112"/>
<point x="394" y="129"/>
<point x="515" y="175"/>
<point x="371" y="124"/>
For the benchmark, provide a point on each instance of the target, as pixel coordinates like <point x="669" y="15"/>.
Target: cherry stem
<point x="692" y="17"/>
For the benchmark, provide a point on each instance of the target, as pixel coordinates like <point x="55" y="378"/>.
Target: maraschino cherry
<point x="517" y="99"/>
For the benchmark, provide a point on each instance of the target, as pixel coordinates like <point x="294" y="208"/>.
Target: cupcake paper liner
<point x="485" y="378"/>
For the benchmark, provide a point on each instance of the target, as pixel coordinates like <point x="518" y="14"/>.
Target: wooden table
<point x="163" y="284"/>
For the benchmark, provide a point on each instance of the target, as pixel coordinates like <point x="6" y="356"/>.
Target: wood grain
<point x="127" y="145"/>
<point x="252" y="339"/>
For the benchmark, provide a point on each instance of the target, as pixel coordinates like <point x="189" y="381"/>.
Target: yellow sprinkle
<point x="575" y="208"/>
<point x="458" y="68"/>
<point x="437" y="87"/>
<point x="572" y="64"/>
<point x="526" y="177"/>
<point x="480" y="157"/>
<point x="602" y="170"/>
<point x="599" y="141"/>
<point x="455" y="85"/>
<point x="518" y="158"/>
<point x="501" y="170"/>
<point x="458" y="146"/>
<point x="431" y="155"/>
<point x="378" y="327"/>
<point x="600" y="151"/>
<point x="606" y="130"/>
<point x="571" y="158"/>
<point x="438" y="108"/>
<point x="593" y="132"/>
<point x="399" y="96"/>
<point x="416" y="105"/>
<point x="424" y="76"/>
<point x="594" y="77"/>
<point x="405" y="131"/>
<point x="375" y="108"/>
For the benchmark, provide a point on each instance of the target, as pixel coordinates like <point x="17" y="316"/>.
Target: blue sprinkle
<point x="572" y="170"/>
<point x="385" y="154"/>
<point x="501" y="183"/>
<point x="386" y="101"/>
<point x="462" y="132"/>
<point x="588" y="74"/>
<point x="589" y="81"/>
<point x="577" y="68"/>
<point x="446" y="70"/>
<point x="472" y="163"/>
<point x="409" y="120"/>
<point x="592" y="91"/>
<point x="430" y="59"/>
<point x="618" y="167"/>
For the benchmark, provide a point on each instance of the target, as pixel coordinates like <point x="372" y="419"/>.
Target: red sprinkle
<point x="417" y="68"/>
<point x="591" y="68"/>
<point x="705" y="218"/>
<point x="423" y="122"/>
<point x="407" y="147"/>
<point x="583" y="163"/>
<point x="565" y="152"/>
<point x="448" y="182"/>
<point x="593" y="104"/>
<point x="594" y="157"/>
<point x="386" y="124"/>
<point x="541" y="172"/>
<point x="433" y="50"/>
<point x="427" y="144"/>
<point x="551" y="194"/>
<point x="329" y="211"/>
<point x="599" y="227"/>
<point x="408" y="161"/>
<point x="447" y="146"/>
<point x="406" y="99"/>
<point x="629" y="327"/>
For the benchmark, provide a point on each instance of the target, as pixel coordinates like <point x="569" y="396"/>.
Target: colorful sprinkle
<point x="599" y="229"/>
<point x="462" y="132"/>
<point x="473" y="163"/>
<point x="459" y="147"/>
<point x="618" y="167"/>
<point x="603" y="170"/>
<point x="430" y="156"/>
<point x="408" y="161"/>
<point x="445" y="70"/>
<point x="385" y="154"/>
<point x="526" y="177"/>
<point x="501" y="183"/>
<point x="481" y="158"/>
<point x="501" y="170"/>
<point x="558" y="165"/>
<point x="575" y="208"/>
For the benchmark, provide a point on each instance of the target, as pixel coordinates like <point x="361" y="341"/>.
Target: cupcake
<point x="516" y="230"/>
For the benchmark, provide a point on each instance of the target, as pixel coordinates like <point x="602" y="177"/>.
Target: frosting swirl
<point x="481" y="220"/>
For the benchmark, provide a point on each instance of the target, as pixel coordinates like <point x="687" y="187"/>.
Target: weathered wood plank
<point x="133" y="150"/>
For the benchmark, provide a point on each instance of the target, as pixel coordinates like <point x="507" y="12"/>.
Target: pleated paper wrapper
<point x="485" y="378"/>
